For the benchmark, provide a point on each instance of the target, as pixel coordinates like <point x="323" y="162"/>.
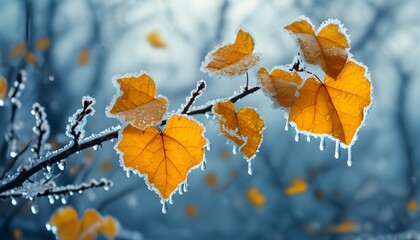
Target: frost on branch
<point x="77" y="122"/>
<point x="41" y="129"/>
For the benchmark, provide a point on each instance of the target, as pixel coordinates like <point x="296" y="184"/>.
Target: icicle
<point x="64" y="200"/>
<point x="204" y="164"/>
<point x="48" y="227"/>
<point x="128" y="173"/>
<point x="322" y="144"/>
<point x="34" y="208"/>
<point x="97" y="147"/>
<point x="71" y="193"/>
<point x="250" y="166"/>
<point x="287" y="126"/>
<point x="171" y="199"/>
<point x="208" y="147"/>
<point x="14" y="201"/>
<point x="308" y="138"/>
<point x="207" y="115"/>
<point x="80" y="191"/>
<point x="51" y="199"/>
<point x="106" y="188"/>
<point x="337" y="149"/>
<point x="62" y="165"/>
<point x="185" y="187"/>
<point x="349" y="160"/>
<point x="164" y="206"/>
<point x="297" y="137"/>
<point x="180" y="190"/>
<point x="234" y="150"/>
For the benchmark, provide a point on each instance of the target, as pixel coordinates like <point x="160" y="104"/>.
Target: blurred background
<point x="75" y="47"/>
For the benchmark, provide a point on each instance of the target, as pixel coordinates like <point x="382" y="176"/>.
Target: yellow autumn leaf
<point x="84" y="57"/>
<point x="164" y="156"/>
<point x="346" y="226"/>
<point x="412" y="205"/>
<point x="3" y="88"/>
<point x="255" y="197"/>
<point x="30" y="58"/>
<point x="327" y="48"/>
<point x="211" y="179"/>
<point x="191" y="210"/>
<point x="106" y="166"/>
<point x="232" y="59"/>
<point x="109" y="227"/>
<point x="156" y="40"/>
<point x="43" y="44"/>
<point x="137" y="102"/>
<point x="298" y="186"/>
<point x="244" y="127"/>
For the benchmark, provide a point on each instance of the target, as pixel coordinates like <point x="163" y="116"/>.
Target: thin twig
<point x="200" y="87"/>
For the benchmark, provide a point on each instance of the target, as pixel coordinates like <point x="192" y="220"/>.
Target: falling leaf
<point x="232" y="59"/>
<point x="65" y="224"/>
<point x="280" y="85"/>
<point x="84" y="57"/>
<point x="136" y="101"/>
<point x="328" y="47"/>
<point x="3" y="88"/>
<point x="17" y="234"/>
<point x="156" y="40"/>
<point x="191" y="210"/>
<point x="244" y="127"/>
<point x="18" y="50"/>
<point x="30" y="58"/>
<point x="255" y="197"/>
<point x="412" y="205"/>
<point x="346" y="226"/>
<point x="298" y="186"/>
<point x="211" y="179"/>
<point x="43" y="44"/>
<point x="164" y="157"/>
<point x="106" y="165"/>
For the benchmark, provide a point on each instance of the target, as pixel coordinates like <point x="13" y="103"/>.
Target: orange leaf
<point x="18" y="50"/>
<point x="346" y="226"/>
<point x="211" y="179"/>
<point x="106" y="165"/>
<point x="412" y="205"/>
<point x="3" y="88"/>
<point x="280" y="84"/>
<point x="109" y="227"/>
<point x="328" y="48"/>
<point x="233" y="59"/>
<point x="30" y="58"/>
<point x="164" y="157"/>
<point x="84" y="57"/>
<point x="137" y="102"/>
<point x="43" y="43"/>
<point x="191" y="210"/>
<point x="156" y="40"/>
<point x="66" y="222"/>
<point x="255" y="197"/>
<point x="244" y="127"/>
<point x="298" y="186"/>
<point x="335" y="107"/>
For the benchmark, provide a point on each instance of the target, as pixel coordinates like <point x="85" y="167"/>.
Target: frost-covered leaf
<point x="255" y="197"/>
<point x="136" y="101"/>
<point x="155" y="39"/>
<point x="232" y="59"/>
<point x="328" y="47"/>
<point x="298" y="186"/>
<point x="244" y="127"/>
<point x="165" y="157"/>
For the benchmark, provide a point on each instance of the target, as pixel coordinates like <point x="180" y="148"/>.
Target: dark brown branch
<point x="200" y="87"/>
<point x="90" y="142"/>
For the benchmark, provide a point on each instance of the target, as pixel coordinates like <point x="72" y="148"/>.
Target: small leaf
<point x="43" y="44"/>
<point x="30" y="58"/>
<point x="346" y="226"/>
<point x="412" y="205"/>
<point x="106" y="165"/>
<point x="328" y="48"/>
<point x="191" y="210"/>
<point x="163" y="157"/>
<point x="3" y="88"/>
<point x="156" y="40"/>
<point x="233" y="59"/>
<point x="18" y="50"/>
<point x="298" y="186"/>
<point x="137" y="103"/>
<point x="109" y="227"/>
<point x="244" y="127"/>
<point x="67" y="223"/>
<point x="84" y="57"/>
<point x="255" y="197"/>
<point x="211" y="179"/>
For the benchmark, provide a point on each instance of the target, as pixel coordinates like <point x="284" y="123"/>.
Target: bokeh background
<point x="93" y="40"/>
